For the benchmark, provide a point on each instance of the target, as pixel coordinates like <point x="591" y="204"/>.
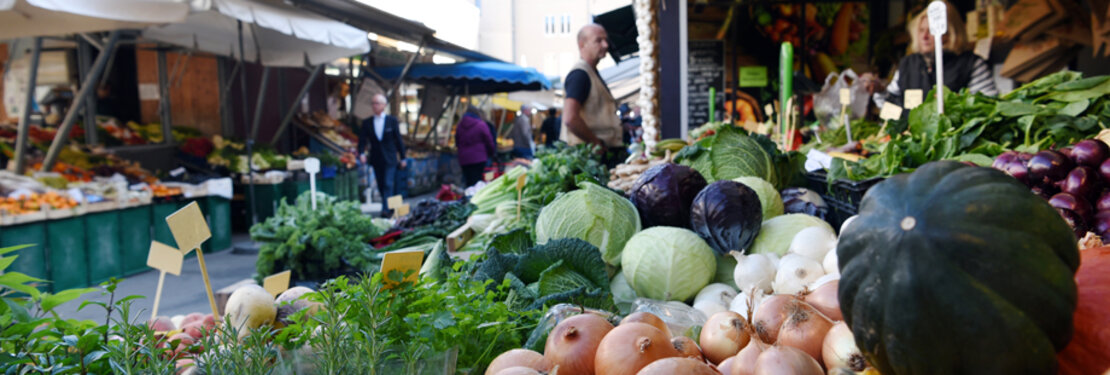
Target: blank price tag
<point x="189" y="227"/>
<point x="402" y="261"/>
<point x="489" y="176"/>
<point x="913" y="98"/>
<point x="165" y="258"/>
<point x="890" y="111"/>
<point x="394" y="201"/>
<point x="277" y="283"/>
<point x="845" y="97"/>
<point x="403" y="210"/>
<point x="769" y="109"/>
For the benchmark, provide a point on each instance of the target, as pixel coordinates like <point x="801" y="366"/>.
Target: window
<point x="556" y="25"/>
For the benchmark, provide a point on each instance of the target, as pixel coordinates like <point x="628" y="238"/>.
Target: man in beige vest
<point x="589" y="111"/>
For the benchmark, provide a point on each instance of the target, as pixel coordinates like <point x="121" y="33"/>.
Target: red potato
<point x="185" y="365"/>
<point x="183" y="342"/>
<point x="197" y="329"/>
<point x="192" y="318"/>
<point x="161" y="324"/>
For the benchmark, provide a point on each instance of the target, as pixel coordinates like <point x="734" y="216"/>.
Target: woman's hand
<point x="871" y="82"/>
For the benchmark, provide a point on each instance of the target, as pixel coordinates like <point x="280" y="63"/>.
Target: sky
<point x="455" y="21"/>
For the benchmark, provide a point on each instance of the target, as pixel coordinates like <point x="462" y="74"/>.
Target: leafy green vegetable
<point x="668" y="263"/>
<point x="315" y="244"/>
<point x="732" y="153"/>
<point x="1056" y="110"/>
<point x="566" y="270"/>
<point x="594" y="214"/>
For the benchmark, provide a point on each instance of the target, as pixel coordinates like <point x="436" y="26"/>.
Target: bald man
<point x="380" y="138"/>
<point x="589" y="111"/>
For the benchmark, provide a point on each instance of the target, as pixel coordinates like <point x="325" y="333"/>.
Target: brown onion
<point x="839" y="350"/>
<point x="769" y="316"/>
<point x="686" y="347"/>
<point x="804" y="328"/>
<point x="779" y="360"/>
<point x="744" y="361"/>
<point x="518" y="357"/>
<point x="573" y="342"/>
<point x="824" y="300"/>
<point x="672" y="366"/>
<point x="518" y="370"/>
<point x="649" y="319"/>
<point x="629" y="348"/>
<point x="723" y="335"/>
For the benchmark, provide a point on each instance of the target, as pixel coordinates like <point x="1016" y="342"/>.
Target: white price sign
<point x="938" y="18"/>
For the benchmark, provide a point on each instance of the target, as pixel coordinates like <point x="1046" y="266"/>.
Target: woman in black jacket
<point x="962" y="68"/>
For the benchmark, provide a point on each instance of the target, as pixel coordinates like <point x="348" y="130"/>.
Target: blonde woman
<point x="962" y="68"/>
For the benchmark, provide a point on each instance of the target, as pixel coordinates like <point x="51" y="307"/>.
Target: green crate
<point x="326" y="186"/>
<point x="218" y="212"/>
<point x="341" y="182"/>
<point x="65" y="239"/>
<point x="102" y="236"/>
<point x="134" y="237"/>
<point x="161" y="230"/>
<point x="31" y="260"/>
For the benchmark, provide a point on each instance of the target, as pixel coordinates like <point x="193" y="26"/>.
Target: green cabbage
<point x="668" y="263"/>
<point x="769" y="198"/>
<point x="776" y="234"/>
<point x="594" y="214"/>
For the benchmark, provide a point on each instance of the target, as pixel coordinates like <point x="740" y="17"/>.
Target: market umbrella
<point x="484" y="77"/>
<point x="25" y="18"/>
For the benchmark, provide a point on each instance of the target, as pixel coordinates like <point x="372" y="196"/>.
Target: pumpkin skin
<point x="1089" y="350"/>
<point x="955" y="269"/>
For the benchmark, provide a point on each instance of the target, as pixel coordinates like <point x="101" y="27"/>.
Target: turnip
<point x="249" y="307"/>
<point x="830" y="263"/>
<point x="291" y="301"/>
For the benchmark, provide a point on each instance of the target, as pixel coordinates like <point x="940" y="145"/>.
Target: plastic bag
<point x="826" y="104"/>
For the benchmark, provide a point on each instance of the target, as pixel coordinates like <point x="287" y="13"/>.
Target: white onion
<point x="830" y="263"/>
<point x="824" y="279"/>
<point x="847" y="221"/>
<point x="710" y="307"/>
<point x="741" y="303"/>
<point x="716" y="292"/>
<point x="753" y="271"/>
<point x="839" y="350"/>
<point x="795" y="273"/>
<point x="813" y="242"/>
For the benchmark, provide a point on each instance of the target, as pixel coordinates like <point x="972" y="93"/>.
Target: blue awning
<point x="484" y="77"/>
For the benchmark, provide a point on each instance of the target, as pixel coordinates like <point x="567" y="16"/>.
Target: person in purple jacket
<point x="475" y="145"/>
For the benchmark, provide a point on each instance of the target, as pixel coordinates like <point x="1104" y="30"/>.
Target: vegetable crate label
<point x="189" y="228"/>
<point x="277" y="283"/>
<point x="403" y="262"/>
<point x="165" y="258"/>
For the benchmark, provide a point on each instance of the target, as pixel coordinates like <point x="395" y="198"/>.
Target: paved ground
<point x="185" y="293"/>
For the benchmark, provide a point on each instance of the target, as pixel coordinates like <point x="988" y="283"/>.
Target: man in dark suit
<point x="380" y="138"/>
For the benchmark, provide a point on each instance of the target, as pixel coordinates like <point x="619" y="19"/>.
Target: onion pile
<point x="1072" y="179"/>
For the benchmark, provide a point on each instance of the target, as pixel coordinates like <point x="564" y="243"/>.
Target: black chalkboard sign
<point x="705" y="69"/>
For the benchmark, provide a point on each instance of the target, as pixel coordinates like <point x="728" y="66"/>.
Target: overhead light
<point x="372" y="36"/>
<point x="406" y="47"/>
<point x="440" y="59"/>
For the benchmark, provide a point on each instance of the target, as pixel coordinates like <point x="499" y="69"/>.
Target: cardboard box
<point x="1026" y="55"/>
<point x="1025" y="15"/>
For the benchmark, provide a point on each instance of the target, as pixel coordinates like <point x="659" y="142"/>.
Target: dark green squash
<point x="958" y="270"/>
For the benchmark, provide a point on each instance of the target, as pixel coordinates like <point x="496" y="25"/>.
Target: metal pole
<point x="243" y="108"/>
<point x="84" y="60"/>
<point x="300" y="95"/>
<point x="259" y="104"/>
<point x="223" y="78"/>
<point x="29" y="101"/>
<point x="164" y="103"/>
<point x="87" y="88"/>
<point x="405" y="70"/>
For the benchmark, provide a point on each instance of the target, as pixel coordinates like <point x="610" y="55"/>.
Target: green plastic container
<point x="326" y="185"/>
<point x="102" y="236"/>
<point x="161" y="230"/>
<point x="31" y="260"/>
<point x="218" y="212"/>
<point x="65" y="239"/>
<point x="341" y="185"/>
<point x="134" y="237"/>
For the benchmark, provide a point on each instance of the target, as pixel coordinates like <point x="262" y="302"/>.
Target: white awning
<point x="282" y="33"/>
<point x="26" y="18"/>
